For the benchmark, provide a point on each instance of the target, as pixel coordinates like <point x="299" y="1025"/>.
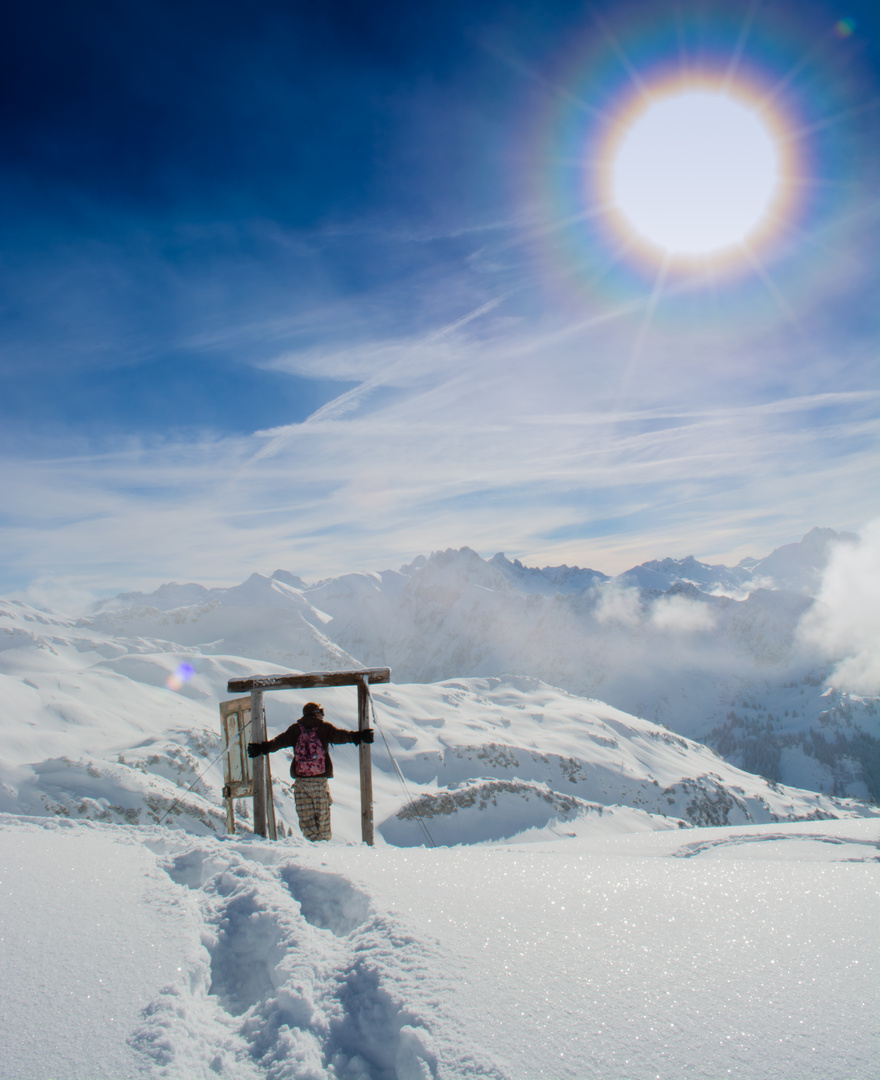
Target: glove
<point x="366" y="736"/>
<point x="256" y="749"/>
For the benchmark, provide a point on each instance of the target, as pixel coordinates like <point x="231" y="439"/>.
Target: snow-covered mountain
<point x="94" y="732"/>
<point x="715" y="653"/>
<point x="501" y="675"/>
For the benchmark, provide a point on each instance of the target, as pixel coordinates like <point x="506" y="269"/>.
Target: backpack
<point x="309" y="755"/>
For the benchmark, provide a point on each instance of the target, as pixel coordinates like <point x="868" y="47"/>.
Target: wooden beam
<point x="366" y="766"/>
<point x="308" y="680"/>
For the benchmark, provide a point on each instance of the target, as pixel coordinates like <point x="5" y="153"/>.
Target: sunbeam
<point x="772" y="288"/>
<point x="651" y="306"/>
<point x="728" y="83"/>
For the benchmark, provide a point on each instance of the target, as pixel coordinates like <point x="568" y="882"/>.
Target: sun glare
<point x="694" y="173"/>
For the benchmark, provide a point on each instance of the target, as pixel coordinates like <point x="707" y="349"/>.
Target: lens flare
<point x="178" y="678"/>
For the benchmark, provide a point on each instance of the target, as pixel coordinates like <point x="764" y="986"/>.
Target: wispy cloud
<point x="389" y="374"/>
<point x="476" y="450"/>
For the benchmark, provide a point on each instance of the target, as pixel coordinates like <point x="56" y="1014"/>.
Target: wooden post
<point x="270" y="801"/>
<point x="366" y="765"/>
<point x="258" y="727"/>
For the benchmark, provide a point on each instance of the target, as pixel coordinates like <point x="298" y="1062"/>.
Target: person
<point x="310" y="737"/>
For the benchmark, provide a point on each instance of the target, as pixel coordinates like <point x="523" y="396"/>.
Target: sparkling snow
<point x="608" y="899"/>
<point x="146" y="952"/>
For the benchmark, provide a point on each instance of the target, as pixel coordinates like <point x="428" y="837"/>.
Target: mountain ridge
<point x="809" y="556"/>
<point x="98" y="736"/>
<point x="701" y="655"/>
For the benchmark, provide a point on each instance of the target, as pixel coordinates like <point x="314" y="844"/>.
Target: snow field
<point x="485" y="759"/>
<point x="751" y="952"/>
<point x="581" y="929"/>
<point x="88" y="925"/>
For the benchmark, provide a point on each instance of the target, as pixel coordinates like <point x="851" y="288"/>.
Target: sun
<point x="694" y="173"/>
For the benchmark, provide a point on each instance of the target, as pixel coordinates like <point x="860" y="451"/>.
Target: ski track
<point x="688" y="851"/>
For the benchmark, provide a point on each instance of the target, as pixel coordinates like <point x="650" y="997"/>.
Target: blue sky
<point x="328" y="286"/>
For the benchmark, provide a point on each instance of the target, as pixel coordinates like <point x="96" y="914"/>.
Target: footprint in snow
<point x="327" y="901"/>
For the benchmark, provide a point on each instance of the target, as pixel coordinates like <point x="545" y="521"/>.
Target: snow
<point x="560" y="888"/>
<point x="101" y="737"/>
<point x="88" y="924"/>
<point x="727" y="656"/>
<point x="146" y="952"/>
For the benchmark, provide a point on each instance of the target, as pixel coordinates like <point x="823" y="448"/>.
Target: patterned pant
<point x="312" y="797"/>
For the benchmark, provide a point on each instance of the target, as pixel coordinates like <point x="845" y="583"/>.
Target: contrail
<point x="349" y="400"/>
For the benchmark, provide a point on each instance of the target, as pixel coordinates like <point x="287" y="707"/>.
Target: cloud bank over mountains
<point x="455" y="613"/>
<point x="778" y="682"/>
<point x="845" y="621"/>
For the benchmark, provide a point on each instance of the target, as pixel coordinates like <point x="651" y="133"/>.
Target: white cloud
<point x="620" y="605"/>
<point x="845" y="621"/>
<point x="678" y="613"/>
<point x="445" y="466"/>
<point x="517" y="441"/>
<point x="58" y="594"/>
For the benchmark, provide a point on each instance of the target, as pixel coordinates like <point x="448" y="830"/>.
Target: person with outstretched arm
<point x="310" y="737"/>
